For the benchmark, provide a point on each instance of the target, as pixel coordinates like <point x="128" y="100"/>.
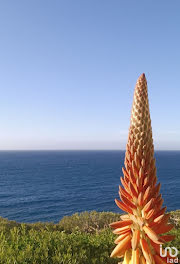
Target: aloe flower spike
<point x="140" y="231"/>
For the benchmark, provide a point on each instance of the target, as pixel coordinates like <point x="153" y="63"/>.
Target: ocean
<point x="47" y="185"/>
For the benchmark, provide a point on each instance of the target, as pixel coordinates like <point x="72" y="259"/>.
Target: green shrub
<point x="90" y="222"/>
<point x="78" y="239"/>
<point x="22" y="245"/>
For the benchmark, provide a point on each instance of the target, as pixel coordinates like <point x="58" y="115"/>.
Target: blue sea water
<point x="47" y="185"/>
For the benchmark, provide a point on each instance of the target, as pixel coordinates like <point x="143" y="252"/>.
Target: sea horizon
<point x="177" y="150"/>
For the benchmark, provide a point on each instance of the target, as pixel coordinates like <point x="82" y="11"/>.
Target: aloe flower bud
<point x="140" y="231"/>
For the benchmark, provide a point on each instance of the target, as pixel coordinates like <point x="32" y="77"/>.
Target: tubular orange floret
<point x="135" y="256"/>
<point x="147" y="193"/>
<point x="132" y="177"/>
<point x="150" y="214"/>
<point x="132" y="190"/>
<point x="148" y="206"/>
<point x="140" y="231"/>
<point x="155" y="246"/>
<point x="125" y="185"/>
<point x="125" y="173"/>
<point x="127" y="202"/>
<point x="150" y="233"/>
<point x="167" y="238"/>
<point x="125" y="217"/>
<point x="160" y="229"/>
<point x="142" y="260"/>
<point x="140" y="199"/>
<point x="135" y="239"/>
<point x="121" y="237"/>
<point x="125" y="193"/>
<point x="123" y="207"/>
<point x="121" y="247"/>
<point x="158" y="219"/>
<point x="122" y="230"/>
<point x="146" y="250"/>
<point x="162" y="211"/>
<point x="119" y="224"/>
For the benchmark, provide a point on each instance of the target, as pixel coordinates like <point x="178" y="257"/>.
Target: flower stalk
<point x="140" y="231"/>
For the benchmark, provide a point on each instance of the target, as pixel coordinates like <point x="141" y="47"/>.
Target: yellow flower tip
<point x="140" y="231"/>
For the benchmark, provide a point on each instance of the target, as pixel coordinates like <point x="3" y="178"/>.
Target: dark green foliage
<point x="79" y="239"/>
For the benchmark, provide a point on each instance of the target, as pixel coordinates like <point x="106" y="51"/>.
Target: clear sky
<point x="68" y="70"/>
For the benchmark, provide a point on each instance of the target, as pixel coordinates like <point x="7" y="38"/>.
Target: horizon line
<point x="80" y="150"/>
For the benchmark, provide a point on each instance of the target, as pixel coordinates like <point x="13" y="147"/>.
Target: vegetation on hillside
<point x="78" y="239"/>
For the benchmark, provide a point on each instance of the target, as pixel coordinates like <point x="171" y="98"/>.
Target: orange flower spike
<point x="141" y="229"/>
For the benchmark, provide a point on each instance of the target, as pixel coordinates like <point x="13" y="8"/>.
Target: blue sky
<point x="68" y="70"/>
